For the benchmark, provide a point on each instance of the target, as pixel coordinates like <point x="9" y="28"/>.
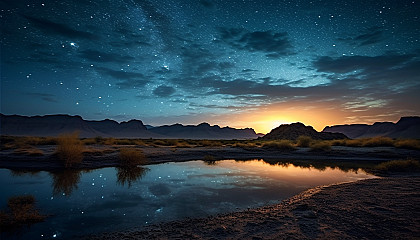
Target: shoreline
<point x="384" y="208"/>
<point x="98" y="157"/>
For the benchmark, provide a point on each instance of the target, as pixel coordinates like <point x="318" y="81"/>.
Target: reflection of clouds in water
<point x="129" y="175"/>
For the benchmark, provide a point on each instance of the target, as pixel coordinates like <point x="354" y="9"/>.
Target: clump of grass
<point x="407" y="143"/>
<point x="70" y="149"/>
<point x="247" y="145"/>
<point x="130" y="157"/>
<point x="279" y="145"/>
<point x="21" y="211"/>
<point x="304" y="141"/>
<point x="320" y="146"/>
<point x="409" y="165"/>
<point x="378" y="142"/>
<point x="29" y="151"/>
<point x="209" y="143"/>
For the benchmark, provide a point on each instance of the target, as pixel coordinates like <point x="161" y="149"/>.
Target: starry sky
<point x="237" y="63"/>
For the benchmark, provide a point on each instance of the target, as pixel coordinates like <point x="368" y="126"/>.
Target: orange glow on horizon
<point x="318" y="115"/>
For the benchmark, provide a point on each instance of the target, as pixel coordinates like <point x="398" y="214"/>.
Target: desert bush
<point x="378" y="142"/>
<point x="407" y="143"/>
<point x="132" y="157"/>
<point x="279" y="145"/>
<point x="246" y="145"/>
<point x="409" y="165"/>
<point x="304" y="141"/>
<point x="338" y="142"/>
<point x="21" y="211"/>
<point x="320" y="146"/>
<point x="109" y="141"/>
<point x="89" y="141"/>
<point x="209" y="143"/>
<point x="70" y="149"/>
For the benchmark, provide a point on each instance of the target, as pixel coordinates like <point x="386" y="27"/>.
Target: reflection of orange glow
<point x="300" y="175"/>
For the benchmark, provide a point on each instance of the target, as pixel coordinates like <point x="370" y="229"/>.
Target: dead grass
<point x="21" y="211"/>
<point x="130" y="157"/>
<point x="29" y="151"/>
<point x="279" y="145"/>
<point x="377" y="142"/>
<point x="320" y="146"/>
<point x="407" y="143"/>
<point x="304" y="141"/>
<point x="409" y="165"/>
<point x="70" y="149"/>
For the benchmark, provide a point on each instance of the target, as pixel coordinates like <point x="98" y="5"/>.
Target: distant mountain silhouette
<point x="54" y="125"/>
<point x="294" y="130"/>
<point x="406" y="127"/>
<point x="204" y="131"/>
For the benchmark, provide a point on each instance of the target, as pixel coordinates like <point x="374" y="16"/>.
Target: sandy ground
<point x="106" y="156"/>
<point x="381" y="208"/>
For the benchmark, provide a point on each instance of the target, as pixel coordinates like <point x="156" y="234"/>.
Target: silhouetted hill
<point x="406" y="127"/>
<point x="54" y="125"/>
<point x="294" y="130"/>
<point x="204" y="131"/>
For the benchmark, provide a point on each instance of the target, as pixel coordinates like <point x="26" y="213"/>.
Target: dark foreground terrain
<point x="381" y="208"/>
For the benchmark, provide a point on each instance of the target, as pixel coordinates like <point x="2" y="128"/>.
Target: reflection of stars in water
<point x="74" y="45"/>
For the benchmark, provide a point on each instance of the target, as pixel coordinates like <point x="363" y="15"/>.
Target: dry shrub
<point x="378" y="142"/>
<point x="407" y="143"/>
<point x="210" y="143"/>
<point x="29" y="151"/>
<point x="247" y="145"/>
<point x="320" y="146"/>
<point x="109" y="141"/>
<point x="21" y="211"/>
<point x="132" y="157"/>
<point x="409" y="165"/>
<point x="279" y="145"/>
<point x="70" y="149"/>
<point x="304" y="141"/>
<point x="338" y="142"/>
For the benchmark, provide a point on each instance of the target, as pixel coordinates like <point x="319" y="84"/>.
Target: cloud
<point x="369" y="36"/>
<point x="43" y="96"/>
<point x="164" y="91"/>
<point x="97" y="56"/>
<point x="60" y="29"/>
<point x="348" y="64"/>
<point x="129" y="79"/>
<point x="207" y="3"/>
<point x="274" y="45"/>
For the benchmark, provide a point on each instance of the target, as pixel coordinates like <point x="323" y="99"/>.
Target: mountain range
<point x="54" y="125"/>
<point x="406" y="127"/>
<point x="295" y="130"/>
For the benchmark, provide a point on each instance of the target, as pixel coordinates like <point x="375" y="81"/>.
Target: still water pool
<point x="114" y="199"/>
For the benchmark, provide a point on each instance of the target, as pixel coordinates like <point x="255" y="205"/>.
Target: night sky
<point x="227" y="62"/>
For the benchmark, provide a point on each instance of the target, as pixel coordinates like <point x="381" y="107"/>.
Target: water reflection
<point x="65" y="181"/>
<point x="323" y="165"/>
<point x="129" y="175"/>
<point x="164" y="192"/>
